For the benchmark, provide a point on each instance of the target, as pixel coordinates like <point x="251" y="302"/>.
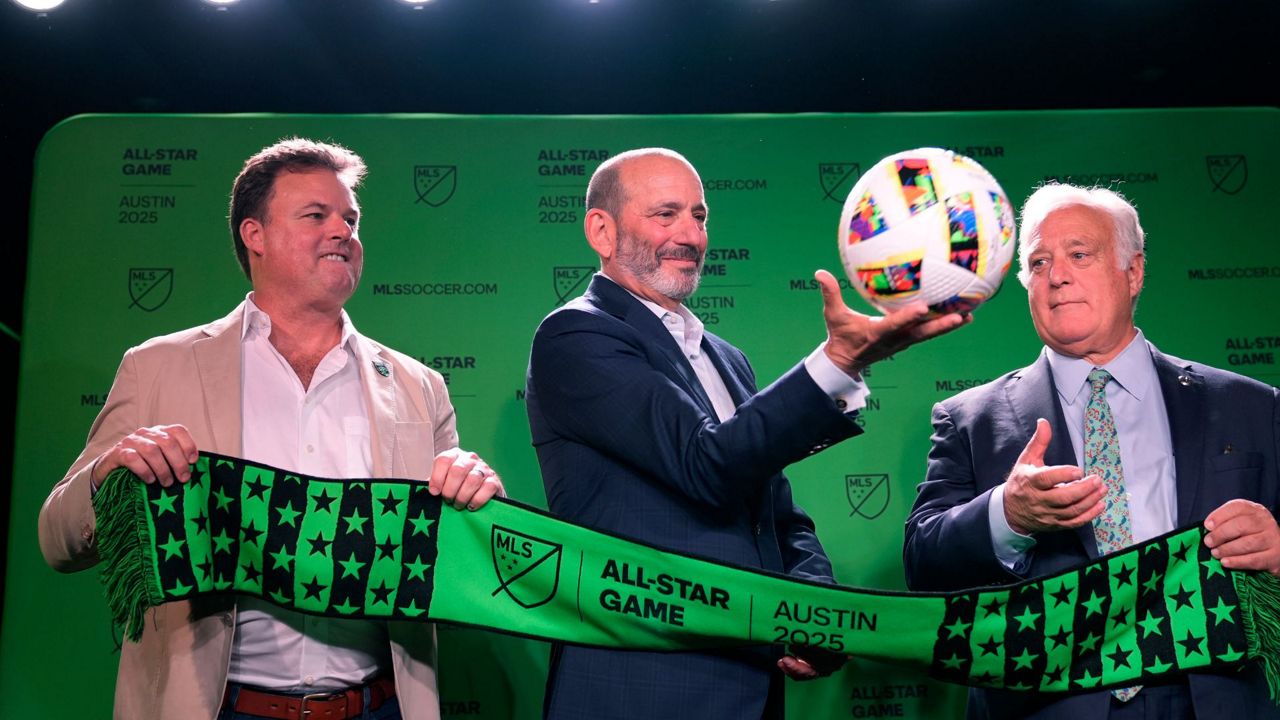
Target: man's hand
<point x="162" y="453"/>
<point x="1244" y="536"/>
<point x="808" y="663"/>
<point x="463" y="479"/>
<point x="854" y="340"/>
<point x="1039" y="498"/>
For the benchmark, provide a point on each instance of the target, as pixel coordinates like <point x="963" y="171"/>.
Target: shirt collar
<point x="1133" y="370"/>
<point x="693" y="327"/>
<point x="256" y="320"/>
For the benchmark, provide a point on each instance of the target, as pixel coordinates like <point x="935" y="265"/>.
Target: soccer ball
<point x="929" y="225"/>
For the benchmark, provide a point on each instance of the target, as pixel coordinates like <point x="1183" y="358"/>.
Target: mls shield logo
<point x="149" y="288"/>
<point x="1228" y="173"/>
<point x="868" y="494"/>
<point x="528" y="568"/>
<point x="568" y="280"/>
<point x="435" y="183"/>
<point x="837" y="179"/>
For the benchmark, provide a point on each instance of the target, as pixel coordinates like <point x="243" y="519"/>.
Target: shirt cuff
<point x="850" y="394"/>
<point x="1010" y="545"/>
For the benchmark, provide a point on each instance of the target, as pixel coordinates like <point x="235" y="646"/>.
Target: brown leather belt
<point x="340" y="705"/>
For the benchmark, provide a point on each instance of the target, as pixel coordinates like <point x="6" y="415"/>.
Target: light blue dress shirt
<point x="1146" y="446"/>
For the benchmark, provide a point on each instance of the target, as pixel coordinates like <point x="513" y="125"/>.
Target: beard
<point x="646" y="265"/>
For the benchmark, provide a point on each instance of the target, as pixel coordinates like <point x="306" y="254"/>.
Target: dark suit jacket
<point x="628" y="443"/>
<point x="1225" y="430"/>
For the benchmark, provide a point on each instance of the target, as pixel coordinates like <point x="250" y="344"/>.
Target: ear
<point x="251" y="232"/>
<point x="1136" y="274"/>
<point x="601" y="232"/>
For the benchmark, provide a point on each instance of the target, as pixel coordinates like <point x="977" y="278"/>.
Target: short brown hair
<point x="253" y="186"/>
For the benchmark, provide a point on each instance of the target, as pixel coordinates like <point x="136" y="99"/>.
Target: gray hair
<point x="1047" y="199"/>
<point x="605" y="191"/>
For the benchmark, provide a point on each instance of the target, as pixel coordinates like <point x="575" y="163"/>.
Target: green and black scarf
<point x="380" y="548"/>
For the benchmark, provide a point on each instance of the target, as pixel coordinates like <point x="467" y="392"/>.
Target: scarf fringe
<point x="1260" y="606"/>
<point x="124" y="545"/>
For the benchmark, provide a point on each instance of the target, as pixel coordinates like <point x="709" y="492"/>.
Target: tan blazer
<point x="179" y="668"/>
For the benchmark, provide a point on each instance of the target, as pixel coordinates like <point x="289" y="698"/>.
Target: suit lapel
<point x="610" y="297"/>
<point x="1183" y="392"/>
<point x="218" y="361"/>
<point x="1035" y="396"/>
<point x="734" y="379"/>
<point x="378" y="383"/>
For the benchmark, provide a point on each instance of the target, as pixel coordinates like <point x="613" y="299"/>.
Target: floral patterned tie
<point x="1111" y="529"/>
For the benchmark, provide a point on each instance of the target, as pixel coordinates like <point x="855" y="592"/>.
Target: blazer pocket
<point x="1236" y="461"/>
<point x="414" y="450"/>
<point x="1236" y="475"/>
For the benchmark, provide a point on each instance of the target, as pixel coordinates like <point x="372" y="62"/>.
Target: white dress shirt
<point x="322" y="430"/>
<point x="1146" y="445"/>
<point x="850" y="394"/>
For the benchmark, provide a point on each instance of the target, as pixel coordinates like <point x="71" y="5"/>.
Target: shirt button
<point x="310" y="448"/>
<point x="308" y="680"/>
<point x="757" y="529"/>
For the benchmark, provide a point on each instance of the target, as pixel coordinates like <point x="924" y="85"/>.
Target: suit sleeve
<point x="67" y="524"/>
<point x="948" y="539"/>
<point x="597" y="384"/>
<point x="802" y="553"/>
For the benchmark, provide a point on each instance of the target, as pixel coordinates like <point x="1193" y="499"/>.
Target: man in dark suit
<point x="645" y="426"/>
<point x="1017" y="484"/>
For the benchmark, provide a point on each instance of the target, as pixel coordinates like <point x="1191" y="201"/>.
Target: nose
<point x="692" y="230"/>
<point x="339" y="228"/>
<point x="1059" y="273"/>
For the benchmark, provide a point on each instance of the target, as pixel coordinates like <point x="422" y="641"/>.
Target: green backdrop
<point x="472" y="231"/>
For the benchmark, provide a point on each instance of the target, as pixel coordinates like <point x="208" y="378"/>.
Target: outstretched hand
<point x="854" y="340"/>
<point x="1039" y="498"/>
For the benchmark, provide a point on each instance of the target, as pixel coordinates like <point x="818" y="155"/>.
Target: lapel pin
<point x="1184" y="380"/>
<point x="1228" y="449"/>
<point x="381" y="367"/>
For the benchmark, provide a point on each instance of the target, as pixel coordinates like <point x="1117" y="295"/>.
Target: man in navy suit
<point x="648" y="427"/>
<point x="1005" y="498"/>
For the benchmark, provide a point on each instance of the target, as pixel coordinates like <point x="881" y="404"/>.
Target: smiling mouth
<point x="334" y="256"/>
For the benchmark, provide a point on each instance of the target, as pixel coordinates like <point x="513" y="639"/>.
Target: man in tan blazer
<point x="286" y="380"/>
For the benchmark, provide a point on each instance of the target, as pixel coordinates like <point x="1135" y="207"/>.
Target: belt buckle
<point x="304" y="711"/>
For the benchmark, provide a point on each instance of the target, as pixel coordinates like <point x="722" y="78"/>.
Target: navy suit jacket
<point x="1225" y="432"/>
<point x="628" y="443"/>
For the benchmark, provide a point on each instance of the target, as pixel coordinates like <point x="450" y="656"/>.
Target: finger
<point x="129" y="459"/>
<point x="1269" y="561"/>
<point x="1078" y="515"/>
<point x="1054" y="477"/>
<point x="185" y="441"/>
<point x="471" y="483"/>
<point x="175" y="457"/>
<point x="148" y="452"/>
<point x="459" y="475"/>
<point x="796" y="668"/>
<point x="938" y="326"/>
<point x="491" y="487"/>
<point x="1233" y="509"/>
<point x="440" y="471"/>
<point x="1033" y="453"/>
<point x="911" y="316"/>
<point x="1232" y="529"/>
<point x="1245" y="544"/>
<point x="832" y="301"/>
